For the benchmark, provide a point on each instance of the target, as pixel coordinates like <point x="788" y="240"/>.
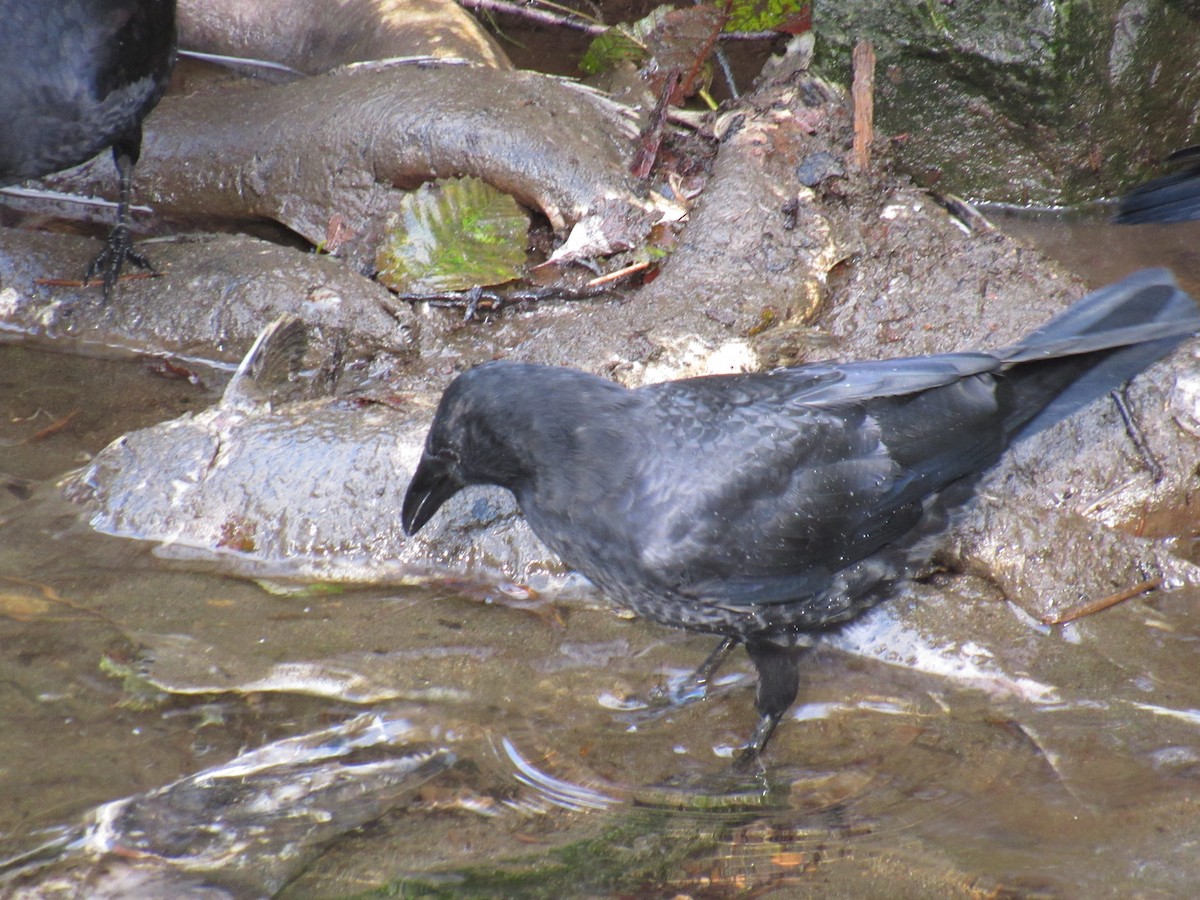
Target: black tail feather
<point x="1113" y="334"/>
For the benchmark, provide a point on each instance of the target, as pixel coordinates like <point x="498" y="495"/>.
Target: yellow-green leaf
<point x="453" y="234"/>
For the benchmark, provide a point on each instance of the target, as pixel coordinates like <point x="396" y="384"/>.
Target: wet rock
<point x="1185" y="402"/>
<point x="215" y="295"/>
<point x="1026" y="102"/>
<point x="819" y="167"/>
<point x="207" y="488"/>
<point x="314" y="38"/>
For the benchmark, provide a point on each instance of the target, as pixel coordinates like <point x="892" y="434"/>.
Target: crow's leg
<point x="778" y="683"/>
<point x="695" y="686"/>
<point x="707" y="669"/>
<point x="119" y="248"/>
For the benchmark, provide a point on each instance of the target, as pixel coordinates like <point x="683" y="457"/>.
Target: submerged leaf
<point x="140" y="693"/>
<point x="451" y="235"/>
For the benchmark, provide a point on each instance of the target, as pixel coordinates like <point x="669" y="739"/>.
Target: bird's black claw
<point x="108" y="263"/>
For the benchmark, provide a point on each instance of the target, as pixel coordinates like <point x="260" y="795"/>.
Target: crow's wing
<point x="824" y="465"/>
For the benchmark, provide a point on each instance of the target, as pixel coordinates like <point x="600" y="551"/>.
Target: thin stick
<point x="78" y="283"/>
<point x="618" y="274"/>
<point x="1135" y="433"/>
<point x="53" y="428"/>
<point x="535" y="15"/>
<point x="510" y="8"/>
<point x="863" y="92"/>
<point x="1095" y="606"/>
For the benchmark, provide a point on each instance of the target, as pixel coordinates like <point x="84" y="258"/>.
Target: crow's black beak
<point x="432" y="484"/>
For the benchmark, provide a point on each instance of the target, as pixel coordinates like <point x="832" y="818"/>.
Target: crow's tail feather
<point x="1098" y="344"/>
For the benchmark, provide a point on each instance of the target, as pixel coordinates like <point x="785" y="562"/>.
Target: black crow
<point x="766" y="507"/>
<point x="79" y="76"/>
<point x="1172" y="198"/>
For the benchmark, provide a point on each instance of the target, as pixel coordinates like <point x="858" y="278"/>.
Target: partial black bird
<point x="79" y="76"/>
<point x="765" y="507"/>
<point x="1172" y="198"/>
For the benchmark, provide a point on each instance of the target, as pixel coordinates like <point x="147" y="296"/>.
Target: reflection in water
<point x="556" y="791"/>
<point x="896" y="777"/>
<point x="246" y="826"/>
<point x="1100" y="253"/>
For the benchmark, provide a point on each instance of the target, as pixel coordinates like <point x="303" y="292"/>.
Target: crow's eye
<point x="447" y="455"/>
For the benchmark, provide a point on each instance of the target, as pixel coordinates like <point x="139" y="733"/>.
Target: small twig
<point x="79" y="283"/>
<point x="1095" y="606"/>
<point x="483" y="299"/>
<point x="578" y="23"/>
<point x="52" y="596"/>
<point x="1135" y="433"/>
<point x="965" y="214"/>
<point x="726" y="71"/>
<point x="474" y="298"/>
<point x="650" y="139"/>
<point x="748" y="35"/>
<point x="490" y="301"/>
<point x="618" y="274"/>
<point x="240" y="62"/>
<point x="53" y="428"/>
<point x="541" y="16"/>
<point x="863" y="92"/>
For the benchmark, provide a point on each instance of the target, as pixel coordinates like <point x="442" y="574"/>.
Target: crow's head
<point x="492" y="424"/>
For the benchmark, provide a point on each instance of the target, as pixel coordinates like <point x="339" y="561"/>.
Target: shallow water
<point x="885" y="781"/>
